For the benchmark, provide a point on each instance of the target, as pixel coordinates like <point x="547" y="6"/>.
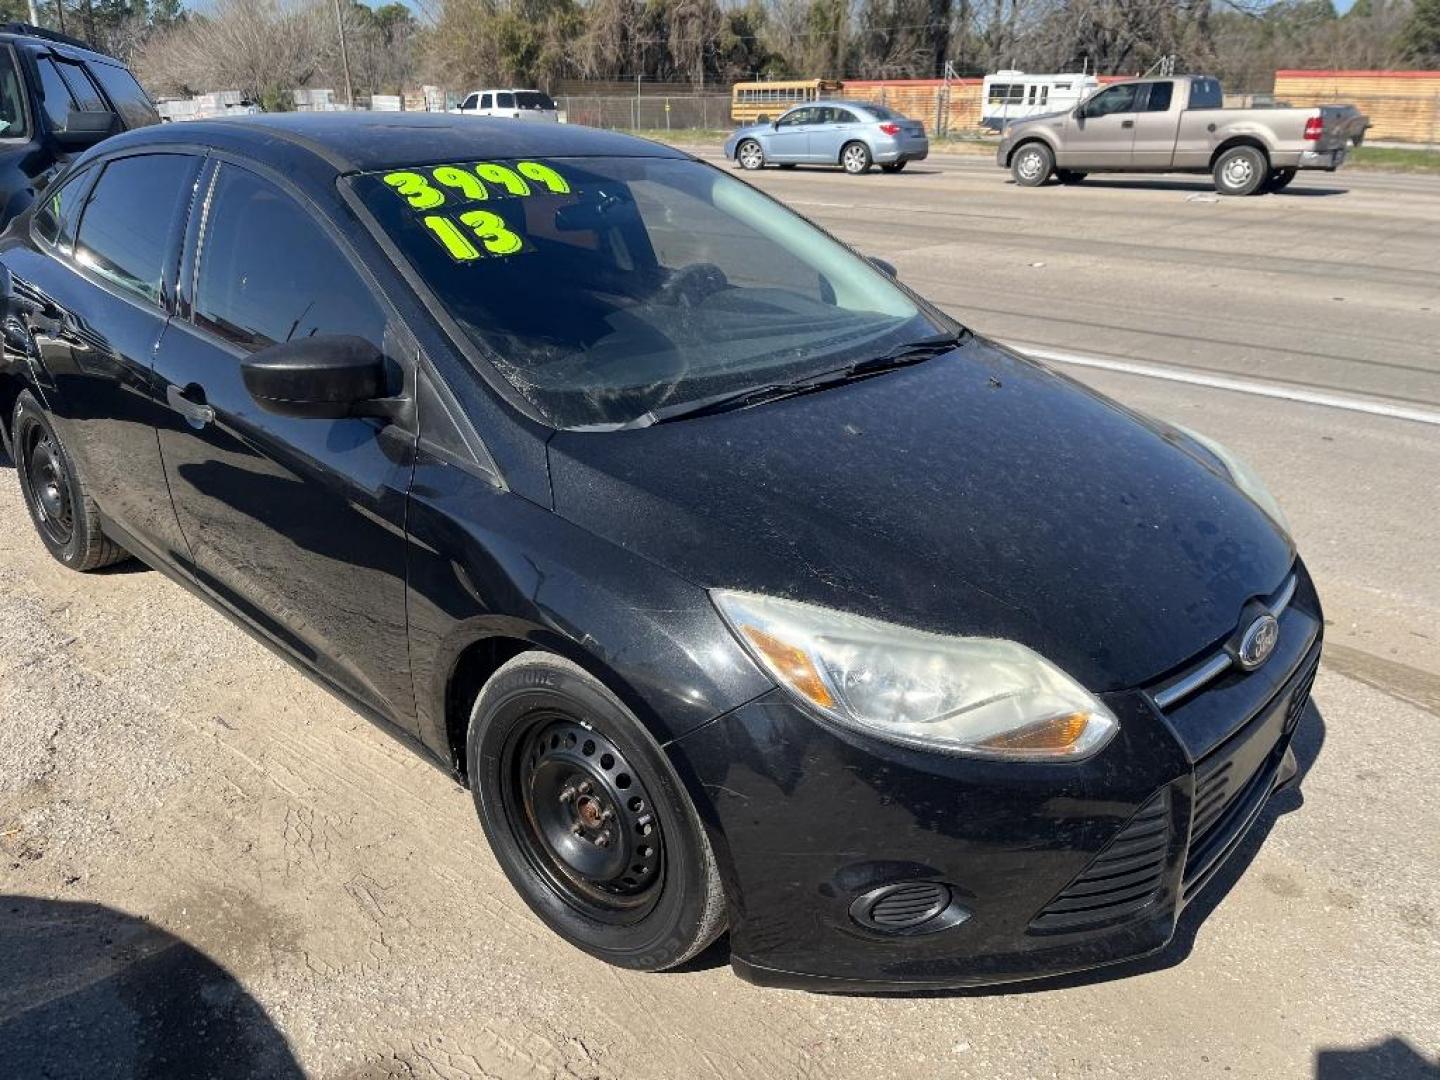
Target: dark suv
<point x="57" y="97"/>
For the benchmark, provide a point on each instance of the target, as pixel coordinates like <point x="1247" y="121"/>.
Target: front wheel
<point x="62" y="511"/>
<point x="588" y="819"/>
<point x="855" y="158"/>
<point x="1032" y="164"/>
<point x="1241" y="170"/>
<point x="749" y="155"/>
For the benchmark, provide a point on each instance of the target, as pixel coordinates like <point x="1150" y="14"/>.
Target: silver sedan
<point x="851" y="134"/>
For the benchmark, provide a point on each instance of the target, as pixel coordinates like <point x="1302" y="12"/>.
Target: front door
<point x="1101" y="133"/>
<point x="298" y="525"/>
<point x="791" y="139"/>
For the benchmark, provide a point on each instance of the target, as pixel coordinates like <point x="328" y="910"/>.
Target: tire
<point x="894" y="167"/>
<point x="855" y="158"/>
<point x="541" y="734"/>
<point x="1241" y="170"/>
<point x="750" y="155"/>
<point x="1031" y="164"/>
<point x="1280" y="179"/>
<point x="1066" y="176"/>
<point x="62" y="512"/>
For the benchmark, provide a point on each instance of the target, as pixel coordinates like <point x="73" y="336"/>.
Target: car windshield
<point x="605" y="288"/>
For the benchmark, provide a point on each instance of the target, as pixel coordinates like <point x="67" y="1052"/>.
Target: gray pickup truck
<point x="1180" y="125"/>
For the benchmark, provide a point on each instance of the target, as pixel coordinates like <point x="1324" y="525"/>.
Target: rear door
<point x="833" y="128"/>
<point x="1101" y="135"/>
<point x="101" y="277"/>
<point x="298" y="525"/>
<point x="1157" y="123"/>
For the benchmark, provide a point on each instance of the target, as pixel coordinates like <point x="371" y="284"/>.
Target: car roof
<point x="46" y="41"/>
<point x="364" y="141"/>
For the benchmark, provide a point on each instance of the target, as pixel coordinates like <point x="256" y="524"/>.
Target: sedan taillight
<point x="1314" y="128"/>
<point x="890" y="129"/>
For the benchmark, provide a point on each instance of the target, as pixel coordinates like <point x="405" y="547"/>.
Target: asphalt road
<point x="210" y="867"/>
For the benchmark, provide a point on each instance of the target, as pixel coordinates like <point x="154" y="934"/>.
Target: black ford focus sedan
<point x="741" y="586"/>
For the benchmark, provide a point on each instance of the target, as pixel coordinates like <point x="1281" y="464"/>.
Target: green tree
<point x="1420" y="38"/>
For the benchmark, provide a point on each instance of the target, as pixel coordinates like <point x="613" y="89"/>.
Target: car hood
<point x="978" y="493"/>
<point x="1015" y="125"/>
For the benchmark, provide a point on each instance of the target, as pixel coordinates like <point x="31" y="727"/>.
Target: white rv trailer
<point x="1007" y="96"/>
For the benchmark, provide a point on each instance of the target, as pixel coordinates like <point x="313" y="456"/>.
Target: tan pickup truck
<point x="1180" y="125"/>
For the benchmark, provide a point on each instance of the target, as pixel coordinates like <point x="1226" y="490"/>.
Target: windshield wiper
<point x="903" y="356"/>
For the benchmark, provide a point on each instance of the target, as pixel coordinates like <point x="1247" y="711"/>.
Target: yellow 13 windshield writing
<point x="441" y="195"/>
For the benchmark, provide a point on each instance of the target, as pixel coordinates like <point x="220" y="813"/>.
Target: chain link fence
<point x="649" y="112"/>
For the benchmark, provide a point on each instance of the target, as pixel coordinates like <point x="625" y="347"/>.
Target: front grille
<point x="1233" y="782"/>
<point x="1124" y="879"/>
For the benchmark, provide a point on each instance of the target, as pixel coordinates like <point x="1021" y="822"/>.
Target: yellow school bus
<point x="751" y="100"/>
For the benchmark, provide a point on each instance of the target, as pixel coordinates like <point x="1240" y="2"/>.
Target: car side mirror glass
<point x="84" y="129"/>
<point x="884" y="266"/>
<point x="327" y="377"/>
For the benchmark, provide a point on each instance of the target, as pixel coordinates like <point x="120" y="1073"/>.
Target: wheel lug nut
<point x="603" y="840"/>
<point x="585" y="787"/>
<point x="576" y="829"/>
<point x="607" y="815"/>
<point x="567" y="794"/>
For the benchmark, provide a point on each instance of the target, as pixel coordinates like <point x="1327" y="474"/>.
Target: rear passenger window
<point x="269" y="273"/>
<point x="130" y="101"/>
<point x="82" y="88"/>
<point x="505" y="101"/>
<point x="56" y="95"/>
<point x="129" y="223"/>
<point x="1160" y="95"/>
<point x="1205" y="94"/>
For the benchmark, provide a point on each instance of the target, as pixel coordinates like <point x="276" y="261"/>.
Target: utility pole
<point x="34" y="14"/>
<point x="344" y="56"/>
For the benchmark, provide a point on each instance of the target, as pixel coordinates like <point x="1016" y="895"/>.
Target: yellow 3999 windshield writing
<point x="442" y="196"/>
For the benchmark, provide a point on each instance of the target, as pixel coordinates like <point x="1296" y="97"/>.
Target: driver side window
<point x="797" y="118"/>
<point x="1118" y="99"/>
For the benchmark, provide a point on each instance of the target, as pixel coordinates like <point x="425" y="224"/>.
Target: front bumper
<point x="1054" y="868"/>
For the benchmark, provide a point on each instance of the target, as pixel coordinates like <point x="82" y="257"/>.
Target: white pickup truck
<point x="1180" y="124"/>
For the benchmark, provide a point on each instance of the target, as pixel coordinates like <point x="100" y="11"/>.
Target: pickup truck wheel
<point x="1280" y="179"/>
<point x="1032" y="164"/>
<point x="1241" y="170"/>
<point x="1065" y="176"/>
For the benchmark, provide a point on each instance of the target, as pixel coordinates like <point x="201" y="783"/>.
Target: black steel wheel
<point x="587" y="817"/>
<point x="63" y="513"/>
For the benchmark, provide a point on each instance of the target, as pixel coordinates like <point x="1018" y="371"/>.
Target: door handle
<point x="1127" y="123"/>
<point x="196" y="412"/>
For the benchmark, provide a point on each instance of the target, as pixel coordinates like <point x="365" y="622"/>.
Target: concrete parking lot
<point x="210" y="867"/>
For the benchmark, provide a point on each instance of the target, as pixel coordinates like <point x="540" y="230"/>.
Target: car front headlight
<point x="984" y="697"/>
<point x="1243" y="474"/>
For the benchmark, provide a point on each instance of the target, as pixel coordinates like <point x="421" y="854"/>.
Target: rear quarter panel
<point x="1202" y="131"/>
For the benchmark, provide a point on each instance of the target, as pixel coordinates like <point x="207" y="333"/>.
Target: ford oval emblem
<point x="1258" y="642"/>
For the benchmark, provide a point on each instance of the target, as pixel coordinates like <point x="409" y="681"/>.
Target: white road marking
<point x="1240" y="385"/>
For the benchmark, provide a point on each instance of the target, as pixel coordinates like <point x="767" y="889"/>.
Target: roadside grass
<point x="1395" y="159"/>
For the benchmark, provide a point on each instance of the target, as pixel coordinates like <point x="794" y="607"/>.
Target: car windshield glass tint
<point x="529" y="99"/>
<point x="603" y="288"/>
<point x="880" y="112"/>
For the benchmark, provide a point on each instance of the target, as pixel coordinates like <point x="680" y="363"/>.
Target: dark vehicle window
<point x="603" y="287"/>
<point x="1160" y="96"/>
<point x="843" y="116"/>
<point x="127" y="224"/>
<point x="12" y="102"/>
<point x="1205" y="94"/>
<point x="55" y="219"/>
<point x="269" y="273"/>
<point x="485" y="101"/>
<point x="880" y="112"/>
<point x="82" y="88"/>
<point x="1118" y="99"/>
<point x="470" y="102"/>
<point x="530" y="99"/>
<point x="130" y="101"/>
<point x="798" y="118"/>
<point x="504" y="101"/>
<point x="58" y="101"/>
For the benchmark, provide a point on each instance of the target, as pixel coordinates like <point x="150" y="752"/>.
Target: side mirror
<point x="884" y="266"/>
<point x="84" y="129"/>
<point x="328" y="377"/>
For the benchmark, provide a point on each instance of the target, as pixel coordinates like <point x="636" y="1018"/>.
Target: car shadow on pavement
<point x="1309" y="739"/>
<point x="88" y="991"/>
<point x="1125" y="183"/>
<point x="1393" y="1059"/>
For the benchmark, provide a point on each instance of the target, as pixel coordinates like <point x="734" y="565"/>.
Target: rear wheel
<point x="1032" y="164"/>
<point x="894" y="166"/>
<point x="63" y="514"/>
<point x="855" y="158"/>
<point x="1241" y="170"/>
<point x="1280" y="179"/>
<point x="588" y="819"/>
<point x="1068" y="176"/>
<point x="749" y="154"/>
